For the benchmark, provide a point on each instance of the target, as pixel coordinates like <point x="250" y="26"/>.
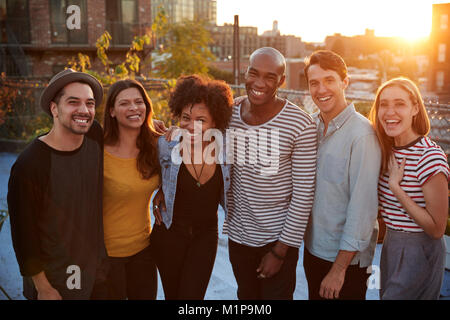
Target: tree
<point x="183" y="50"/>
<point x="127" y="69"/>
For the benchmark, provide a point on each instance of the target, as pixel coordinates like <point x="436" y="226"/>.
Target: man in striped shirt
<point x="342" y="232"/>
<point x="274" y="147"/>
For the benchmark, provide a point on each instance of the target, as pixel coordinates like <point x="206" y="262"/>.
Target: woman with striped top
<point x="413" y="194"/>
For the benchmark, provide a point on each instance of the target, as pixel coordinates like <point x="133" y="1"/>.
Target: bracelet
<point x="276" y="255"/>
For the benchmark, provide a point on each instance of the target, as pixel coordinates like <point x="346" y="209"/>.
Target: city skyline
<point x="314" y="20"/>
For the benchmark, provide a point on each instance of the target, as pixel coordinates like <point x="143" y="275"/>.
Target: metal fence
<point x="439" y="114"/>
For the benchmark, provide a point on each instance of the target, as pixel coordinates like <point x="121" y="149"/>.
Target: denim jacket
<point x="169" y="175"/>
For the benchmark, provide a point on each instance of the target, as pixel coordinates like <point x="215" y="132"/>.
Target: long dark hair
<point x="146" y="142"/>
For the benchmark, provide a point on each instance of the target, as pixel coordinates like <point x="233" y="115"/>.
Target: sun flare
<point x="314" y="20"/>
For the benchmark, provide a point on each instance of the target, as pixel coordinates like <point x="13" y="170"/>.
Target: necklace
<point x="197" y="177"/>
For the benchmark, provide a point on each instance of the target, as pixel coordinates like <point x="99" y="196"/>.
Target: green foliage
<point x="218" y="74"/>
<point x="160" y="105"/>
<point x="18" y="115"/>
<point x="129" y="68"/>
<point x="363" y="107"/>
<point x="184" y="48"/>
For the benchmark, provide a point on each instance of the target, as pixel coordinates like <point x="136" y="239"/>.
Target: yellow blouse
<point x="126" y="199"/>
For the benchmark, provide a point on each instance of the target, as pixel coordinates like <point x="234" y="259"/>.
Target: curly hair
<point x="215" y="94"/>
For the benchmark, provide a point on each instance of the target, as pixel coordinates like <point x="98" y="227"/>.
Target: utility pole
<point x="236" y="51"/>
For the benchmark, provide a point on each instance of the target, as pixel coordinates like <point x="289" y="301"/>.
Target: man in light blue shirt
<point x="341" y="235"/>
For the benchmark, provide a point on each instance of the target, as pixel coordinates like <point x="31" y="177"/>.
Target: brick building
<point x="439" y="78"/>
<point x="179" y="10"/>
<point x="39" y="37"/>
<point x="222" y="47"/>
<point x="366" y="44"/>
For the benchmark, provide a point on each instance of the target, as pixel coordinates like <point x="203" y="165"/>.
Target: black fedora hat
<point x="63" y="78"/>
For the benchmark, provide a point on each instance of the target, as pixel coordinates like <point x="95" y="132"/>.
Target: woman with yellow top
<point x="131" y="174"/>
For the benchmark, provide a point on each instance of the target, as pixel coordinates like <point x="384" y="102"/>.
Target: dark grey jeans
<point x="245" y="260"/>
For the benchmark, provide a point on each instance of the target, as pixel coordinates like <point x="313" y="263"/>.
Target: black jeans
<point x="133" y="277"/>
<point x="245" y="260"/>
<point x="354" y="287"/>
<point x="185" y="258"/>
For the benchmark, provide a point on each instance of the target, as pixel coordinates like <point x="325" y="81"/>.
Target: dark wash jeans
<point x="245" y="260"/>
<point x="133" y="277"/>
<point x="185" y="257"/>
<point x="355" y="284"/>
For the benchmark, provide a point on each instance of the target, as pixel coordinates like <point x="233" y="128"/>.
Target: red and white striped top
<point x="424" y="159"/>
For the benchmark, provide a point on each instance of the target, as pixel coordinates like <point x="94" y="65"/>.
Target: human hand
<point x="48" y="293"/>
<point x="159" y="126"/>
<point x="269" y="266"/>
<point x="158" y="205"/>
<point x="238" y="100"/>
<point x="396" y="172"/>
<point x="45" y="290"/>
<point x="171" y="132"/>
<point x="332" y="283"/>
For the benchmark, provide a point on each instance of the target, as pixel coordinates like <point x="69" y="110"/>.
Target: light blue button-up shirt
<point x="344" y="214"/>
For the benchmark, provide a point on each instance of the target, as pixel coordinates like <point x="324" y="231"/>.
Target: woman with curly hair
<point x="195" y="180"/>
<point x="131" y="175"/>
<point x="412" y="193"/>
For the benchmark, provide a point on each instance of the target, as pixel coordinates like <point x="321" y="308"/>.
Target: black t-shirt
<point x="197" y="206"/>
<point x="55" y="206"/>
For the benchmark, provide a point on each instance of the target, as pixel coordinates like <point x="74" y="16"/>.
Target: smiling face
<point x="263" y="77"/>
<point x="75" y="110"/>
<point x="327" y="90"/>
<point x="197" y="115"/>
<point x="395" y="114"/>
<point x="129" y="109"/>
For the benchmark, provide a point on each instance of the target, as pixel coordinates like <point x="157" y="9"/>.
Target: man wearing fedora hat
<point x="55" y="196"/>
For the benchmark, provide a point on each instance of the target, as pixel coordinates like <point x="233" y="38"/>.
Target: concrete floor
<point x="222" y="285"/>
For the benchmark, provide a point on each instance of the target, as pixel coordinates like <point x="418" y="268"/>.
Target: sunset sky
<point x="313" y="20"/>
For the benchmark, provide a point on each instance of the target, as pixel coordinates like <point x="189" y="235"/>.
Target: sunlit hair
<point x="327" y="60"/>
<point x="420" y="123"/>
<point x="147" y="159"/>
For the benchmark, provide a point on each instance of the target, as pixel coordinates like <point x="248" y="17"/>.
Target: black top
<point x="55" y="206"/>
<point x="197" y="206"/>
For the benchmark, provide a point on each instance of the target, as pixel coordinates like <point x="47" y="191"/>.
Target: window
<point x="14" y="21"/>
<point x="61" y="34"/>
<point x="122" y="20"/>
<point x="444" y="21"/>
<point x="441" y="52"/>
<point x="439" y="80"/>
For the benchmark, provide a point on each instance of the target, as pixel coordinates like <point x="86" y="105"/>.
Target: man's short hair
<point x="327" y="60"/>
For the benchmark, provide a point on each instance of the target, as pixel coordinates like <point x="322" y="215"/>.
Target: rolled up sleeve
<point x="362" y="208"/>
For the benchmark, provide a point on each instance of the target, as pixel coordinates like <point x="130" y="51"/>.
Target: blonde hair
<point x="420" y="122"/>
